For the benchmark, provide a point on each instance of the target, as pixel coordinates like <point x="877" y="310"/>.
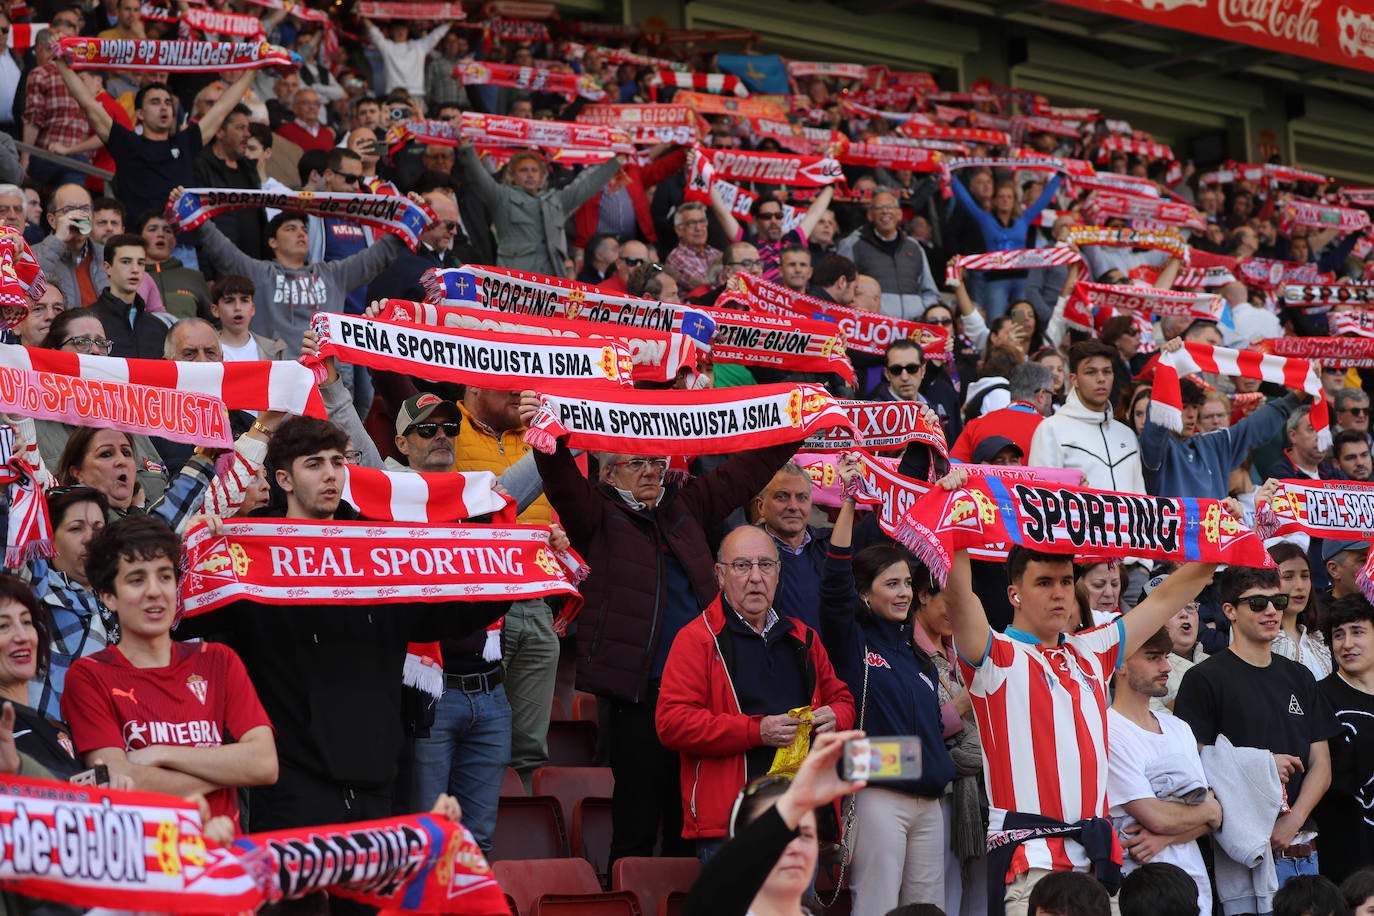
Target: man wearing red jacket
<point x="632" y="184"/>
<point x="732" y="675"/>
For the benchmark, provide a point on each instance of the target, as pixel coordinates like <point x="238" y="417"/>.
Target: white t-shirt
<point x="1130" y="749"/>
<point x="244" y="354"/>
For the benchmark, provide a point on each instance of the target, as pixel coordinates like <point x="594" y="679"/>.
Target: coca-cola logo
<point x="1289" y="20"/>
<point x="1356" y="32"/>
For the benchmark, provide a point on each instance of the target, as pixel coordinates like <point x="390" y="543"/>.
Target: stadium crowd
<point x="1058" y="291"/>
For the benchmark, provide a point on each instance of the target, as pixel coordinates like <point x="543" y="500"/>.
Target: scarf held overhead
<point x="1340" y="510"/>
<point x="146" y="54"/>
<point x="779" y="342"/>
<point x="369" y="563"/>
<point x="256" y="385"/>
<point x="392" y="213"/>
<point x="1332" y="352"/>
<point x="1166" y="403"/>
<point x="657" y="356"/>
<point x="554" y="297"/>
<point x="531" y="79"/>
<point x="1148" y="301"/>
<point x="1073" y="520"/>
<point x="774" y="168"/>
<point x="496" y="361"/>
<point x="881" y="425"/>
<point x="706" y="422"/>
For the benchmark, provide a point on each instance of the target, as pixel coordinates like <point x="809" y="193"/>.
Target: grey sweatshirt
<point x="287" y="298"/>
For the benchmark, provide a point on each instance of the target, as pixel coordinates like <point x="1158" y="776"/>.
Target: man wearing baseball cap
<point x="425" y="429"/>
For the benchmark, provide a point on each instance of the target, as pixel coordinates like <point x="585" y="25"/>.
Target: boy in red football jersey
<point x="179" y="718"/>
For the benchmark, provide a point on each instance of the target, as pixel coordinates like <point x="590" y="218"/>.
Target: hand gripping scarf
<point x="392" y="213"/>
<point x="657" y="356"/>
<point x="774" y="168"/>
<point x="888" y="156"/>
<point x="18" y="256"/>
<point x="1075" y="521"/>
<point x="554" y="297"/>
<point x="1166" y="404"/>
<point x="531" y="79"/>
<point x="1017" y="259"/>
<point x="369" y="563"/>
<point x="1167" y="242"/>
<point x="864" y="332"/>
<point x="1148" y="301"/>
<point x="500" y="361"/>
<point x="713" y="421"/>
<point x="1340" y="510"/>
<point x="701" y="82"/>
<point x="880" y="426"/>
<point x="141" y="851"/>
<point x="174" y="56"/>
<point x="508" y="131"/>
<point x="255" y="385"/>
<point x="779" y="342"/>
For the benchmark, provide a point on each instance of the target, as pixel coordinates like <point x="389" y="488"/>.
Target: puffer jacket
<point x="699" y="716"/>
<point x="1106" y="451"/>
<point x="625" y="594"/>
<point x="904" y="277"/>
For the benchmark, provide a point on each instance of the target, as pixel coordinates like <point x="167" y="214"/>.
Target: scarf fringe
<point x="1166" y="415"/>
<point x="491" y="650"/>
<point x="423" y="676"/>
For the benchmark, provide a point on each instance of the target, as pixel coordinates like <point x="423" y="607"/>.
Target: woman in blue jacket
<point x="867" y="604"/>
<point x="1003" y="230"/>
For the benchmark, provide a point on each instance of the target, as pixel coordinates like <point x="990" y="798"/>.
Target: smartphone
<point x="96" y="776"/>
<point x="881" y="759"/>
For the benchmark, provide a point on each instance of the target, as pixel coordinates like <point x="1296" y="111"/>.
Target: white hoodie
<point x="1105" y="450"/>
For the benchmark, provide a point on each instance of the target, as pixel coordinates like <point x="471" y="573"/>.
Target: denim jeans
<point x="999" y="294"/>
<point x="465" y="755"/>
<point x="1291" y="868"/>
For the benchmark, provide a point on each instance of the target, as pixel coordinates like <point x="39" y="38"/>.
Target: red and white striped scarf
<point x="174" y="56"/>
<point x="647" y="124"/>
<point x="1148" y="301"/>
<point x="714" y="421"/>
<point x="961" y="134"/>
<point x="787" y="342"/>
<point x="499" y="361"/>
<point x="1166" y="403"/>
<point x="508" y="131"/>
<point x="531" y="79"/>
<point x="1169" y="242"/>
<point x="1357" y="322"/>
<point x="29" y="532"/>
<point x="1105" y="205"/>
<point x="828" y="69"/>
<point x="1320" y="216"/>
<point x="1017" y="259"/>
<point x="1147" y="148"/>
<point x="393" y="10"/>
<point x="255" y="385"/>
<point x="881" y="426"/>
<point x="701" y="82"/>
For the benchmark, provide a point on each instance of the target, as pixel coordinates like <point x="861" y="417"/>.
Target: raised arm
<point x="817" y="210"/>
<point x="728" y="223"/>
<point x="1146" y="618"/>
<point x="971" y="631"/>
<point x="1169" y="274"/>
<point x="100" y="119"/>
<point x="210" y="124"/>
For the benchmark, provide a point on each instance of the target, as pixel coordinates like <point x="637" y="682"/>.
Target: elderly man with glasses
<point x="898" y="262"/>
<point x="1351" y="406"/>
<point x="731" y="677"/>
<point x="70" y="260"/>
<point x="644" y="537"/>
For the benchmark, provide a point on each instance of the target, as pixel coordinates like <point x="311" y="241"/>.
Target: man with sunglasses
<point x="436" y="249"/>
<point x="633" y="253"/>
<point x="768" y="235"/>
<point x="1257" y="699"/>
<point x="1351" y="407"/>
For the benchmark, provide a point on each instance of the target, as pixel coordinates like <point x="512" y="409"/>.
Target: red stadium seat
<point x="511" y="785"/>
<point x="525" y="880"/>
<point x="568" y="784"/>
<point x="529" y="827"/>
<point x="572" y="743"/>
<point x="591" y="834"/>
<point x="609" y="903"/>
<point x="557" y="713"/>
<point x="584" y="708"/>
<point x="672" y="904"/>
<point x="653" y="879"/>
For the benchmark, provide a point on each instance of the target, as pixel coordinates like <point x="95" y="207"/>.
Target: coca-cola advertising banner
<point x="1339" y="32"/>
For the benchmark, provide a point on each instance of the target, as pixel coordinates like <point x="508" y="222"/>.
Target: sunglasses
<point x="1357" y="411"/>
<point x="635" y="262"/>
<point x="909" y="369"/>
<point x="430" y="430"/>
<point x="349" y="179"/>
<point x="1259" y="602"/>
<point x="942" y="322"/>
<point x="770" y="215"/>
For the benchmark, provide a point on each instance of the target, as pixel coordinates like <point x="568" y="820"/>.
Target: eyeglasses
<point x="743" y="568"/>
<point x="942" y="322"/>
<point x="89" y="344"/>
<point x="353" y="456"/>
<point x="908" y="369"/>
<point x="771" y="214"/>
<point x="1333" y="370"/>
<point x="74" y="208"/>
<point x="884" y="207"/>
<point x="693" y="222"/>
<point x="640" y="465"/>
<point x="430" y="430"/>
<point x="1259" y="602"/>
<point x="747" y="263"/>
<point x="451" y="225"/>
<point x="635" y="262"/>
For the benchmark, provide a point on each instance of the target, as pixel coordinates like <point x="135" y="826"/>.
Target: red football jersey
<point x="202" y="699"/>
